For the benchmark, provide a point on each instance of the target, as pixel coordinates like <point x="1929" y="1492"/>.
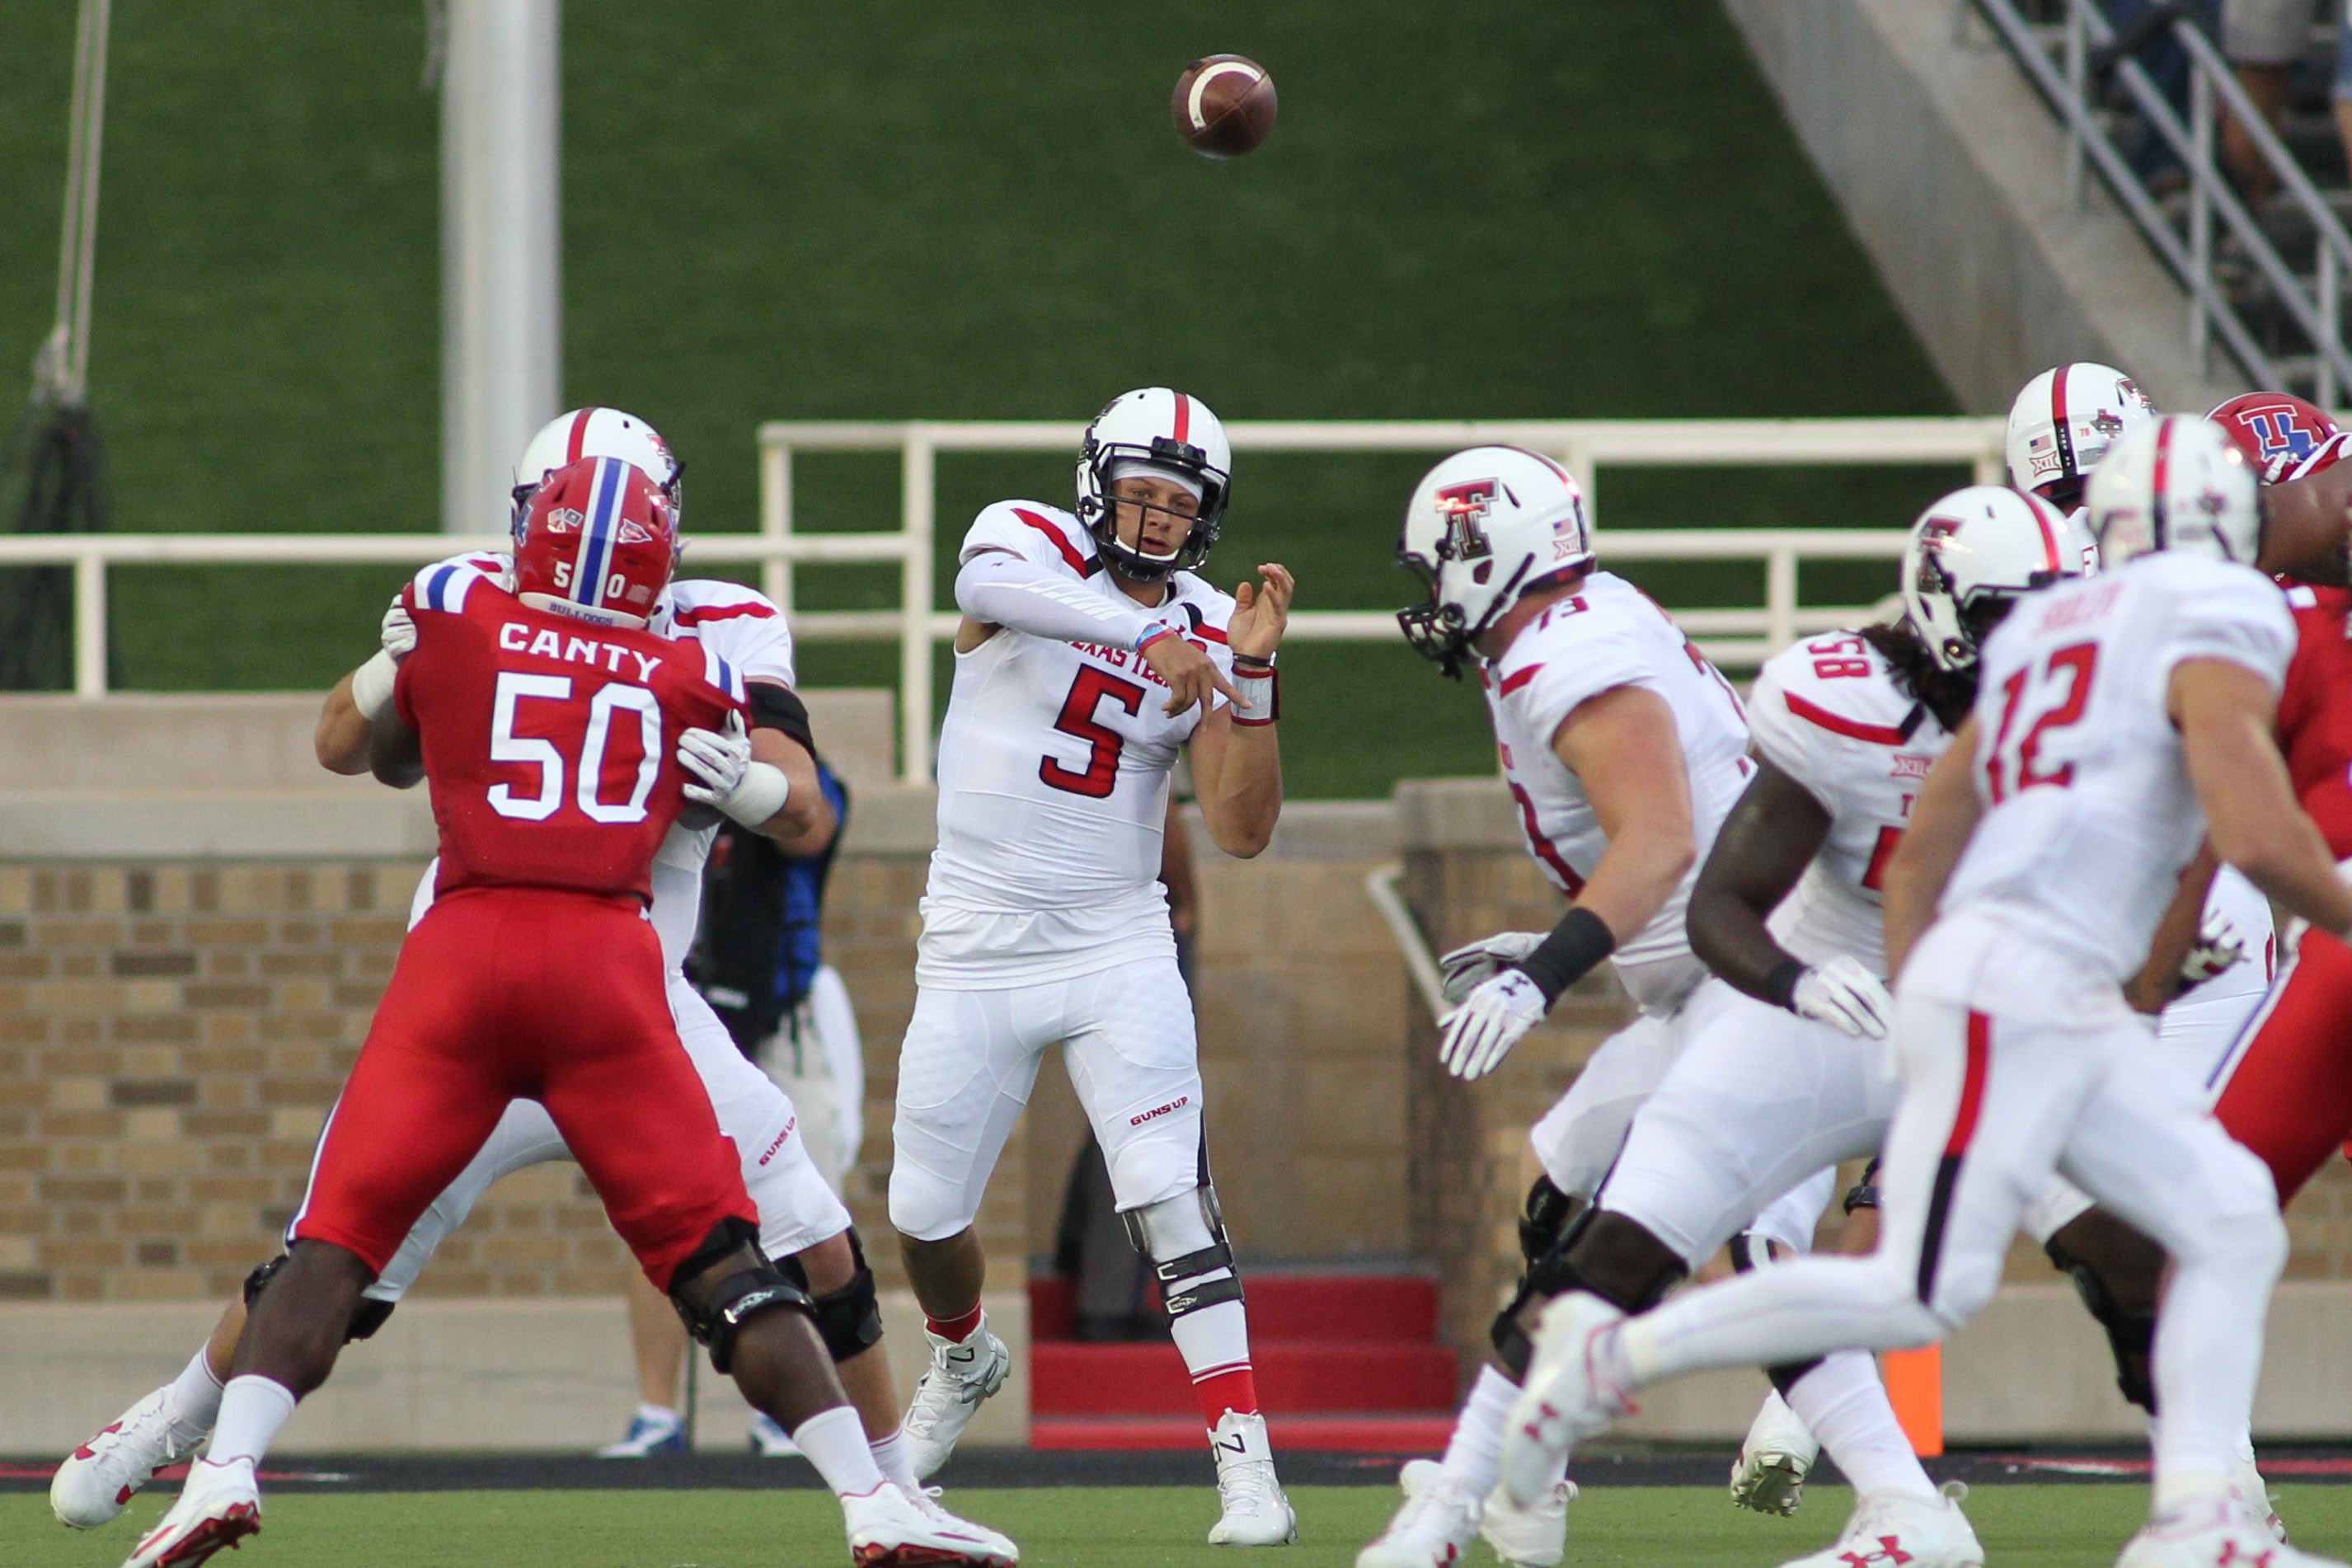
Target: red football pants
<point x="2289" y="1097"/>
<point x="513" y="993"/>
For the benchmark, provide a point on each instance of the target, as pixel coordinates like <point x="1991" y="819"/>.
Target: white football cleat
<point x="105" y="1473"/>
<point x="927" y="1502"/>
<point x="2213" y="1530"/>
<point x="1770" y="1474"/>
<point x="1529" y="1537"/>
<point x="1895" y="1527"/>
<point x="1254" y="1512"/>
<point x="888" y="1529"/>
<point x="1435" y="1527"/>
<point x="219" y="1505"/>
<point x="1566" y="1398"/>
<point x="2253" y="1494"/>
<point x="949" y="1395"/>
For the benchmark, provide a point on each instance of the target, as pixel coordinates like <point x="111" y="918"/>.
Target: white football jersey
<point x="1053" y="768"/>
<point x="744" y="630"/>
<point x="2088" y="812"/>
<point x="1611" y="634"/>
<point x="1831" y="715"/>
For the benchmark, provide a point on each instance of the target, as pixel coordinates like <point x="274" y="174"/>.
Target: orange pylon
<point x="1914" y="1385"/>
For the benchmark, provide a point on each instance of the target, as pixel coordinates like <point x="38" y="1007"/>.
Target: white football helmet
<point x="2180" y="483"/>
<point x="1166" y="430"/>
<point x="1972" y="554"/>
<point x="2062" y="424"/>
<point x="1483" y="526"/>
<point x="595" y="432"/>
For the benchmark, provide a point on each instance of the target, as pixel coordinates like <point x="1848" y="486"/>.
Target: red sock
<point x="957" y="1328"/>
<point x="1234" y="1389"/>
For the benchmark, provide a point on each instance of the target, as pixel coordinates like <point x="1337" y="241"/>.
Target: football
<point x="1223" y="106"/>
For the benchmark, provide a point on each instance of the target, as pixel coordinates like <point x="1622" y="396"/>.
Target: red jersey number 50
<point x="538" y="751"/>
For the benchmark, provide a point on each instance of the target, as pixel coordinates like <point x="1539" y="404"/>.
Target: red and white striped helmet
<point x="1173" y="434"/>
<point x="2062" y="424"/>
<point x="1972" y="553"/>
<point x="596" y="433"/>
<point x="598" y="543"/>
<point x="2181" y="483"/>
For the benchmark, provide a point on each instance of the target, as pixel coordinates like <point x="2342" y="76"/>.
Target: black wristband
<point x="1580" y="941"/>
<point x="1780" y="985"/>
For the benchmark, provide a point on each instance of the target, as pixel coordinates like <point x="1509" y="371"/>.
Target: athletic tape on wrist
<point x="1260" y="698"/>
<point x="758" y="796"/>
<point x="371" y="684"/>
<point x="1581" y="940"/>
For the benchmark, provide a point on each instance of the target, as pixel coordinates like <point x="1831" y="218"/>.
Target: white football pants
<point x="971" y="1058"/>
<point x="1993" y="1102"/>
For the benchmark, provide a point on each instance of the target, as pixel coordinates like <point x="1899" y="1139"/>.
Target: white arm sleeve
<point x="1003" y="590"/>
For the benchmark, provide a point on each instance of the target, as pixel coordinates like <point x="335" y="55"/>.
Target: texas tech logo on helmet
<point x="1465" y="507"/>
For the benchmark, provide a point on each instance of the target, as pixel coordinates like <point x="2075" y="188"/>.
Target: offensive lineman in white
<point x="2119" y="720"/>
<point x="1090" y="655"/>
<point x="1623" y="749"/>
<point x="766" y="780"/>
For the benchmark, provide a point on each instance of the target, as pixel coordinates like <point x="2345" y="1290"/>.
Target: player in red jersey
<point x="546" y="722"/>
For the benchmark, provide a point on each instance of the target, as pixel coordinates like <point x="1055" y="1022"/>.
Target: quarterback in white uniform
<point x="1089" y="659"/>
<point x="2119" y="717"/>
<point x="802" y="1221"/>
<point x="1623" y="749"/>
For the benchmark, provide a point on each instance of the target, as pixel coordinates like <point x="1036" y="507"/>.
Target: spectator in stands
<point x="2263" y="39"/>
<point x="2144" y="34"/>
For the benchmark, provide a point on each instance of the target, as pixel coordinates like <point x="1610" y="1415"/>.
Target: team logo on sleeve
<point x="1465" y="507"/>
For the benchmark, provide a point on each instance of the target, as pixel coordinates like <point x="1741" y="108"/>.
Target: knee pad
<point x="2131" y="1335"/>
<point x="1181" y="1289"/>
<point x="849" y="1321"/>
<point x="1555" y="1275"/>
<point x="258" y="1280"/>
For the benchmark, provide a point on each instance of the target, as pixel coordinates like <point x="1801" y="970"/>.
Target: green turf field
<point x="1639" y="1527"/>
<point x="883" y="209"/>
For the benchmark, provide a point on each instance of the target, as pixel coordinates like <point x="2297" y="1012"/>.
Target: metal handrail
<point x="2071" y="93"/>
<point x="1413" y="944"/>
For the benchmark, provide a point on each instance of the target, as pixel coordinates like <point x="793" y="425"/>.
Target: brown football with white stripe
<point x="1223" y="106"/>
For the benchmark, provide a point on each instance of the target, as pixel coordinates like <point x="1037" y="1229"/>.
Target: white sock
<point x="834" y="1442"/>
<point x="252" y="1410"/>
<point x="890" y="1458"/>
<point x="1214" y="1339"/>
<point x="660" y="1414"/>
<point x="1845" y="1406"/>
<point x="195" y="1397"/>
<point x="1473" y="1456"/>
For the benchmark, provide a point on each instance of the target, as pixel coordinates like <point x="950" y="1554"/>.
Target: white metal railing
<point x="1741" y="637"/>
<point x="2059" y="59"/>
<point x="1735" y="637"/>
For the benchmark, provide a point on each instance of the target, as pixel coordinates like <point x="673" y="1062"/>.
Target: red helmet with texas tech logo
<point x="599" y="542"/>
<point x="2279" y="434"/>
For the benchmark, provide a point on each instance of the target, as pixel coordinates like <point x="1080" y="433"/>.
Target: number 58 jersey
<point x="2088" y="813"/>
<point x="1053" y="766"/>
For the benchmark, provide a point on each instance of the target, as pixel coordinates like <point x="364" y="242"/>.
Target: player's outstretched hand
<point x="2218" y="947"/>
<point x="1191" y="676"/>
<point x="399" y="631"/>
<point x="1261" y="615"/>
<point x="1471" y="965"/>
<point x="1475" y="1037"/>
<point x="1845" y="995"/>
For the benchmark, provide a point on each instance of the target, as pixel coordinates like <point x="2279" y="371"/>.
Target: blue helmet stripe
<point x="604" y="514"/>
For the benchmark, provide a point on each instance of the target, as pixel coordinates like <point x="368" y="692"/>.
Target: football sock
<point x="834" y="1442"/>
<point x="1845" y="1404"/>
<point x="959" y="1327"/>
<point x="252" y="1410"/>
<point x="1473" y="1454"/>
<point x="195" y="1397"/>
<point x="659" y="1415"/>
<point x="890" y="1458"/>
<point x="1214" y="1343"/>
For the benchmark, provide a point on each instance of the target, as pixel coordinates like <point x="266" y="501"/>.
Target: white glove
<point x="2219" y="945"/>
<point x="1475" y="1036"/>
<point x="1844" y="996"/>
<point x="1470" y="966"/>
<point x="727" y="779"/>
<point x="399" y="631"/>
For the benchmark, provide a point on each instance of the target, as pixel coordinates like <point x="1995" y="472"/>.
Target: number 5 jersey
<point x="1054" y="770"/>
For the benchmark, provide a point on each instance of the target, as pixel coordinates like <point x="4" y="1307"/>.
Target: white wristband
<point x="758" y="796"/>
<point x="371" y="684"/>
<point x="1258" y="695"/>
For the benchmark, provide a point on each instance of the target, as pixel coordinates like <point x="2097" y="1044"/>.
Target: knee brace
<point x="366" y="1318"/>
<point x="1617" y="1248"/>
<point x="1183" y="1288"/>
<point x="2131" y="1335"/>
<point x="1864" y="1193"/>
<point x="1547" y="1212"/>
<point x="715" y="1314"/>
<point x="849" y="1321"/>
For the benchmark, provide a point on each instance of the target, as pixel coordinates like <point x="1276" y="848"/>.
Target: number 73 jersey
<point x="2088" y="815"/>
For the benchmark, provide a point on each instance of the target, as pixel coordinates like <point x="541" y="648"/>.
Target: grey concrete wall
<point x="1950" y="171"/>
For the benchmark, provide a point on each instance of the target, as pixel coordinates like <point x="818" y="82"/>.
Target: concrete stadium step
<point x="1149" y="1379"/>
<point x="1291" y="1307"/>
<point x="1297" y="1432"/>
